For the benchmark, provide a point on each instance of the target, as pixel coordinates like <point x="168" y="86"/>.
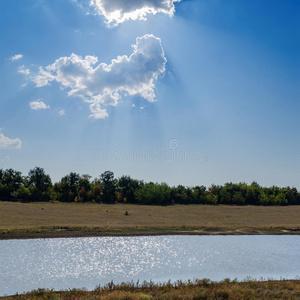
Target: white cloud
<point x="119" y="11"/>
<point x="16" y="57"/>
<point x="7" y="143"/>
<point x="62" y="112"/>
<point x="37" y="105"/>
<point x="103" y="85"/>
<point x="23" y="70"/>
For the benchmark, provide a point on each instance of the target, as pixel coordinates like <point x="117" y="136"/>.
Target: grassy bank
<point x="34" y="220"/>
<point x="199" y="289"/>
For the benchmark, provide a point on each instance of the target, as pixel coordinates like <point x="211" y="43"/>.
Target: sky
<point x="191" y="92"/>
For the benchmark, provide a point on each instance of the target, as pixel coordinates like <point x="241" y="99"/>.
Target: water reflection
<point x="87" y="262"/>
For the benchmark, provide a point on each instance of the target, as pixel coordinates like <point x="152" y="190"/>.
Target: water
<point x="86" y="262"/>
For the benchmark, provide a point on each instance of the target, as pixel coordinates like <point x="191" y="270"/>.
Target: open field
<point x="30" y="220"/>
<point x="200" y="289"/>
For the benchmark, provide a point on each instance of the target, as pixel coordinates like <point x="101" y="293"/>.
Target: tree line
<point x="37" y="186"/>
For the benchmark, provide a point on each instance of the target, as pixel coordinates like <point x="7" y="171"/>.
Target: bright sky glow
<point x="189" y="92"/>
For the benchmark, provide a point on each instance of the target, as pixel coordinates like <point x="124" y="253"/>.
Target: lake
<point x="86" y="262"/>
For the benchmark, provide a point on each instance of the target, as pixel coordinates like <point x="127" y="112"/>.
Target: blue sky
<point x="190" y="92"/>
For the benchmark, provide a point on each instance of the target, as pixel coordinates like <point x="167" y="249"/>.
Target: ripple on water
<point x="87" y="262"/>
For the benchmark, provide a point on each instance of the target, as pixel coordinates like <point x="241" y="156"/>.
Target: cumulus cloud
<point x="37" y="105"/>
<point x="119" y="11"/>
<point x="23" y="70"/>
<point x="7" y="143"/>
<point x="16" y="57"/>
<point x="100" y="84"/>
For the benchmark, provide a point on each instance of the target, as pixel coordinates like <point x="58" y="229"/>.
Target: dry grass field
<point x="199" y="219"/>
<point x="199" y="289"/>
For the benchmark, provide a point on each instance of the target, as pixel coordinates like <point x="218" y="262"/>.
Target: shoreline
<point x="196" y="289"/>
<point x="81" y="232"/>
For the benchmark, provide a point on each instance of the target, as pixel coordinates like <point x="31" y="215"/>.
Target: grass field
<point x="200" y="289"/>
<point x="126" y="218"/>
<point x="29" y="215"/>
<point x="76" y="219"/>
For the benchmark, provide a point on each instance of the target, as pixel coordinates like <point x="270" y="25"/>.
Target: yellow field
<point x="33" y="215"/>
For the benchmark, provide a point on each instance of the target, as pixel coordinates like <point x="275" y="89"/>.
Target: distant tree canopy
<point x="37" y="186"/>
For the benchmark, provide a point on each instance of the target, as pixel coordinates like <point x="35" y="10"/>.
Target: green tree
<point x="40" y="185"/>
<point x="38" y="178"/>
<point x="85" y="192"/>
<point x="153" y="194"/>
<point x="211" y="199"/>
<point x="281" y="199"/>
<point x="292" y="196"/>
<point x="108" y="183"/>
<point x="127" y="187"/>
<point x="23" y="193"/>
<point x="69" y="187"/>
<point x="179" y="195"/>
<point x="264" y="199"/>
<point x="11" y="180"/>
<point x="97" y="193"/>
<point x="225" y="195"/>
<point x="238" y="198"/>
<point x="199" y="194"/>
<point x="212" y="195"/>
